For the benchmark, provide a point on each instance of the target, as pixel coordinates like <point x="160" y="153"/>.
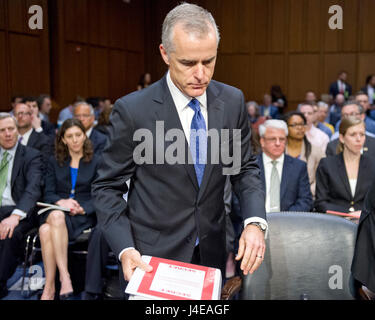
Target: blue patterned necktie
<point x="198" y="140"/>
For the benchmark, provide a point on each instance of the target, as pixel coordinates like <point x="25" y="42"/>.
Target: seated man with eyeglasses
<point x="86" y="114"/>
<point x="28" y="136"/>
<point x="354" y="109"/>
<point x="20" y="189"/>
<point x="285" y="178"/>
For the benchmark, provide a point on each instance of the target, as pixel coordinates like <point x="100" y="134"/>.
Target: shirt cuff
<point x="261" y="221"/>
<point x="20" y="213"/>
<point x="119" y="256"/>
<point x="40" y="129"/>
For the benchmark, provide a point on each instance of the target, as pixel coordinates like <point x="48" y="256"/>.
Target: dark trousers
<point x="97" y="258"/>
<point x="11" y="249"/>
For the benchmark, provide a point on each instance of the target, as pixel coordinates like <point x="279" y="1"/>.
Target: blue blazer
<point x="295" y="193"/>
<point x="274" y="111"/>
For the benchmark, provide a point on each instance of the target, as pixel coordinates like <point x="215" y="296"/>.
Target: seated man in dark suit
<point x="85" y="112"/>
<point x="285" y="178"/>
<point x="20" y="178"/>
<point x="38" y="123"/>
<point x="28" y="136"/>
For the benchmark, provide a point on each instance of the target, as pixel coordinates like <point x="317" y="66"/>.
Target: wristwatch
<point x="259" y="225"/>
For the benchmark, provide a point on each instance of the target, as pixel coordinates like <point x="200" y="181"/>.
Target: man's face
<point x="310" y="97"/>
<point x="273" y="142"/>
<point x="343" y="76"/>
<point x="322" y="113"/>
<point x="308" y="112"/>
<point x="8" y="133"/>
<point x="352" y="110"/>
<point x="363" y="100"/>
<point x="340" y="99"/>
<point x="22" y="113"/>
<point x="267" y="100"/>
<point x="192" y="63"/>
<point x="82" y="112"/>
<point x="33" y="107"/>
<point x="46" y="106"/>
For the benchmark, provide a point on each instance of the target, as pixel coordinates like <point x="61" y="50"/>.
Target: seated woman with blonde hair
<point x="343" y="180"/>
<point x="67" y="184"/>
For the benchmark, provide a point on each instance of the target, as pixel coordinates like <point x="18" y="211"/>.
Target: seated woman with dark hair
<point x="68" y="182"/>
<point x="343" y="180"/>
<point x="299" y="147"/>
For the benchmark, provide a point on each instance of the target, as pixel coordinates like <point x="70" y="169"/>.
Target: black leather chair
<point x="308" y="256"/>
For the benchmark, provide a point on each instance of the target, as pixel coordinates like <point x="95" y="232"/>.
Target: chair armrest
<point x="231" y="288"/>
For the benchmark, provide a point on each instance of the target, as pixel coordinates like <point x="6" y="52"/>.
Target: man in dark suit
<point x="341" y="86"/>
<point x="38" y="124"/>
<point x="85" y="113"/>
<point x="28" y="136"/>
<point x="20" y="178"/>
<point x="175" y="209"/>
<point x="285" y="178"/>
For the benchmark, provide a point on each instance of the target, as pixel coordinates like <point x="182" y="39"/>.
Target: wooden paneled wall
<point x="24" y="53"/>
<point x="285" y="42"/>
<point x="101" y="47"/>
<point x="97" y="48"/>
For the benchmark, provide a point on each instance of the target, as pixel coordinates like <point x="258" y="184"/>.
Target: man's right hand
<point x="130" y="260"/>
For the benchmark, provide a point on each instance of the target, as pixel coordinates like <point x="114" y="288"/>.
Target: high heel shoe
<point x="66" y="296"/>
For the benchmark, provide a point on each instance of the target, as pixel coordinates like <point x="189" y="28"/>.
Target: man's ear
<point x="164" y="54"/>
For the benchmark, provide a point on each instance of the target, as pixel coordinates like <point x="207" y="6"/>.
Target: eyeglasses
<point x="353" y="114"/>
<point x="77" y="116"/>
<point x="274" y="140"/>
<point x="21" y="114"/>
<point x="296" y="125"/>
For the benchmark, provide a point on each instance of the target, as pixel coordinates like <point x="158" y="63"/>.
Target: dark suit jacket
<point x="58" y="186"/>
<point x="332" y="184"/>
<point x="49" y="129"/>
<point x="334" y="90"/>
<point x="42" y="143"/>
<point x="166" y="209"/>
<point x="295" y="194"/>
<point x="368" y="148"/>
<point x="98" y="140"/>
<point x="363" y="266"/>
<point x="26" y="179"/>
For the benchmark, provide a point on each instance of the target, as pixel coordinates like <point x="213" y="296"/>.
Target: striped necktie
<point x="4" y="165"/>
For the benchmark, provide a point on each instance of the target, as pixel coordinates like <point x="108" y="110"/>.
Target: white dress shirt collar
<point x="180" y="99"/>
<point x="25" y="137"/>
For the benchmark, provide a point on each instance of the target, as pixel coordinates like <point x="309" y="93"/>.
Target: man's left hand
<point x="8" y="225"/>
<point x="251" y="249"/>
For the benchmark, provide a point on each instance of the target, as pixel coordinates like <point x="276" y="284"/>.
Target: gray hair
<point x="80" y="103"/>
<point x="6" y="115"/>
<point x="322" y="104"/>
<point x="273" y="123"/>
<point x="361" y="110"/>
<point x="251" y="103"/>
<point x="195" y="20"/>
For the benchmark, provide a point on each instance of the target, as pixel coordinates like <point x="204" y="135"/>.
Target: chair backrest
<point x="308" y="256"/>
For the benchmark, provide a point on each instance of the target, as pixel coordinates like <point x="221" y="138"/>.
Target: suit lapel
<point x="215" y="112"/>
<point x="284" y="177"/>
<point x="261" y="167"/>
<point x="32" y="139"/>
<point x="166" y="111"/>
<point x="17" y="163"/>
<point x="343" y="175"/>
<point x="362" y="171"/>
